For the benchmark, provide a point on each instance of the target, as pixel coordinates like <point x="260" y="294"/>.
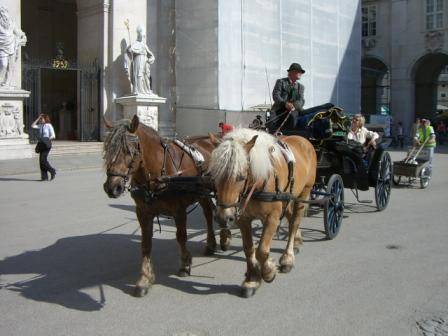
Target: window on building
<point x="434" y="14"/>
<point x="369" y="20"/>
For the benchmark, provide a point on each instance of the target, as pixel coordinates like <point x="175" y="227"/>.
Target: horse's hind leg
<point x="181" y="236"/>
<point x="207" y="209"/>
<point x="294" y="237"/>
<point x="147" y="276"/>
<point x="253" y="277"/>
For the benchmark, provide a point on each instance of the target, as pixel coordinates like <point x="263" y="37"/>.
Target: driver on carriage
<point x="287" y="112"/>
<point x="288" y="95"/>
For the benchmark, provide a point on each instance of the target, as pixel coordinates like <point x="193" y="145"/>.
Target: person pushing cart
<point x="425" y="135"/>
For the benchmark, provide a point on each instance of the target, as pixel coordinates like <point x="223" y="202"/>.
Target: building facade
<point x="214" y="59"/>
<point x="405" y="50"/>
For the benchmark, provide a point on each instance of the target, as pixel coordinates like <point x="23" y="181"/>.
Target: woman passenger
<point x="361" y="134"/>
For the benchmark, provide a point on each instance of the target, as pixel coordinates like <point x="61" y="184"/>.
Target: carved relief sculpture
<point x="434" y="41"/>
<point x="11" y="39"/>
<point x="137" y="61"/>
<point x="10" y="122"/>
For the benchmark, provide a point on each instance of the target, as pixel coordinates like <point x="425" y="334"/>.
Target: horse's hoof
<point x="269" y="280"/>
<point x="140" y="291"/>
<point x="296" y="250"/>
<point x="209" y="251"/>
<point x="224" y="246"/>
<point x="285" y="268"/>
<point x="248" y="292"/>
<point x="184" y="273"/>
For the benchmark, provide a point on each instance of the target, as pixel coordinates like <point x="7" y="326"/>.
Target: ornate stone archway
<point x="425" y="75"/>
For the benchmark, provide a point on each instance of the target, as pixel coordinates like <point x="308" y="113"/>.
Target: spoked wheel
<point x="425" y="177"/>
<point x="383" y="181"/>
<point x="396" y="180"/>
<point x="334" y="208"/>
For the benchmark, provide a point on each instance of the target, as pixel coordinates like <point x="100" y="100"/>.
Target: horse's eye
<point x="240" y="178"/>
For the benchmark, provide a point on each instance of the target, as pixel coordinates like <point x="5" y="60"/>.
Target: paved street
<point x="69" y="257"/>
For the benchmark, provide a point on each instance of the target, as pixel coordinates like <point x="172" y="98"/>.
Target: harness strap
<point x="165" y="149"/>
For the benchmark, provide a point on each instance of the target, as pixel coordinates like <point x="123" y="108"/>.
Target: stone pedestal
<point x="14" y="143"/>
<point x="146" y="107"/>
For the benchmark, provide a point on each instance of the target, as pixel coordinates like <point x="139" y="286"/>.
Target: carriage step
<point x="365" y="201"/>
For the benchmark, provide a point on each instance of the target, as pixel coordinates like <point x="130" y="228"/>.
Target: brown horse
<point x="135" y="151"/>
<point x="247" y="162"/>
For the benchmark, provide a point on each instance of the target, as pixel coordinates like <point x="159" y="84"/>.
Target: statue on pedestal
<point x="137" y="61"/>
<point x="11" y="39"/>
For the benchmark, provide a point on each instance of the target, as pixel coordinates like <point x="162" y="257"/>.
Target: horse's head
<point x="122" y="155"/>
<point x="230" y="172"/>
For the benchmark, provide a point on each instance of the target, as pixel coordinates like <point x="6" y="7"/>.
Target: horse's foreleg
<point x="295" y="236"/>
<point x="253" y="277"/>
<point x="268" y="268"/>
<point x="147" y="276"/>
<point x="181" y="236"/>
<point x="207" y="209"/>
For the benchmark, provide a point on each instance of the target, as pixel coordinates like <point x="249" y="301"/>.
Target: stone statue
<point x="137" y="61"/>
<point x="11" y="39"/>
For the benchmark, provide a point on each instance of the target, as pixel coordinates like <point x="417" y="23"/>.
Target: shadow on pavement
<point x="19" y="179"/>
<point x="63" y="270"/>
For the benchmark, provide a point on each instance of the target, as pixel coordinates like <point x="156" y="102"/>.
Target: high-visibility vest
<point x="424" y="133"/>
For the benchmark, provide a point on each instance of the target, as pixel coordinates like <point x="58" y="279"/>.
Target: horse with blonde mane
<point x="137" y="152"/>
<point x="246" y="163"/>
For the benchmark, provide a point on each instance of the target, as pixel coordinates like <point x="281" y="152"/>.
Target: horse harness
<point x="164" y="185"/>
<point x="284" y="195"/>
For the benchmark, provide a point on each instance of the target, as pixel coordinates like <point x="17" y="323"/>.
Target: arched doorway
<point x="426" y="73"/>
<point x="375" y="87"/>
<point x="59" y="86"/>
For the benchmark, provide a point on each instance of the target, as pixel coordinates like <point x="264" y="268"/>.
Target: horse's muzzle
<point x="225" y="218"/>
<point x="114" y="190"/>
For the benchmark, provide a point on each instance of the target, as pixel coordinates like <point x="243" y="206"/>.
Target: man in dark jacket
<point x="288" y="98"/>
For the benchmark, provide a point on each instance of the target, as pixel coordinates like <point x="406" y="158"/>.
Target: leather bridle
<point x="135" y="153"/>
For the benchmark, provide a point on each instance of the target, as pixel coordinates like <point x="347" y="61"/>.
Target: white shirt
<point x="45" y="131"/>
<point x="362" y="134"/>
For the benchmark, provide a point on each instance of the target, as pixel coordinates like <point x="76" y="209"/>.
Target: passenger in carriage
<point x="360" y="134"/>
<point x="288" y="95"/>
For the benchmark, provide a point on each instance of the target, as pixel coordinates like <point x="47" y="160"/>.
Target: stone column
<point x="402" y="86"/>
<point x="14" y="142"/>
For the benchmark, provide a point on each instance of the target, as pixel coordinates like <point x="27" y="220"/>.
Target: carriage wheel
<point x="396" y="180"/>
<point x="425" y="177"/>
<point x="383" y="181"/>
<point x="334" y="208"/>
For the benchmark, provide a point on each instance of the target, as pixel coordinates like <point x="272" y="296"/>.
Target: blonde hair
<point x="361" y="119"/>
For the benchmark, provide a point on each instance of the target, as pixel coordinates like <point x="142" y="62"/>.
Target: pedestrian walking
<point x="441" y="132"/>
<point x="43" y="147"/>
<point x="400" y="135"/>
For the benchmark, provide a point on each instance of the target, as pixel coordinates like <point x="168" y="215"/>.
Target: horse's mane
<point x="230" y="159"/>
<point x="115" y="142"/>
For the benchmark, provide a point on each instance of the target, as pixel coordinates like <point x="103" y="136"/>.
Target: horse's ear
<point x="107" y="123"/>
<point x="134" y="124"/>
<point x="249" y="145"/>
<point x="214" y="140"/>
